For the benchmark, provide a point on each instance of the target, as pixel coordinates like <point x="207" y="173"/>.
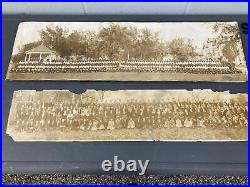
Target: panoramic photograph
<point x="128" y="51"/>
<point x="128" y="115"/>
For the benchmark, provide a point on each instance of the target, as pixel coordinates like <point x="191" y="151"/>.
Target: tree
<point x="77" y="43"/>
<point x="129" y="42"/>
<point x="119" y="42"/>
<point x="148" y="46"/>
<point x="181" y="49"/>
<point x="116" y="41"/>
<point x="92" y="45"/>
<point x="56" y="39"/>
<point x="224" y="44"/>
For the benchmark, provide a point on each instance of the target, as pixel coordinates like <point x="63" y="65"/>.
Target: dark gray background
<point x="213" y="158"/>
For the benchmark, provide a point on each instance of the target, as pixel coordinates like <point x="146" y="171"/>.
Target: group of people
<point x="80" y="116"/>
<point x="124" y="66"/>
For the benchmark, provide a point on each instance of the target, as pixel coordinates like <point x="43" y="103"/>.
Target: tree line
<point x="118" y="42"/>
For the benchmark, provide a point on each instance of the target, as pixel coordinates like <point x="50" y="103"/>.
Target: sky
<point x="199" y="32"/>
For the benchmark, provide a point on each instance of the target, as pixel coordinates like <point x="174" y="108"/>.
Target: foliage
<point x="181" y="49"/>
<point x="57" y="40"/>
<point x="114" y="42"/>
<point x="225" y="43"/>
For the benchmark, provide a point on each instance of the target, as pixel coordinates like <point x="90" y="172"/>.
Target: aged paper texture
<point x="128" y="115"/>
<point x="128" y="51"/>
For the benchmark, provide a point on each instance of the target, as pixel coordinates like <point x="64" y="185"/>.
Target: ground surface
<point x="159" y="134"/>
<point x="85" y="179"/>
<point x="129" y="76"/>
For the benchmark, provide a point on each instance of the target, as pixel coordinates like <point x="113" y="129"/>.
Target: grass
<point x="129" y="76"/>
<point x="158" y="134"/>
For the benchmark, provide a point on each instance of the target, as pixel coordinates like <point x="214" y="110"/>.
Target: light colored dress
<point x="94" y="125"/>
<point x="111" y="125"/>
<point x="178" y="123"/>
<point x="201" y="123"/>
<point x="131" y="124"/>
<point x="188" y="123"/>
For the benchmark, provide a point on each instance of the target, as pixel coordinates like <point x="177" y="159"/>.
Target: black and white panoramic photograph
<point x="128" y="51"/>
<point x="128" y="115"/>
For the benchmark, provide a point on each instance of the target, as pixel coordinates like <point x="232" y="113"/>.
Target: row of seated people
<point x="123" y="63"/>
<point x="79" y="116"/>
<point x="131" y="68"/>
<point x="131" y="62"/>
<point x="118" y="63"/>
<point x="126" y="61"/>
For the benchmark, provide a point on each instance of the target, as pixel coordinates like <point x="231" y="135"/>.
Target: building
<point x="39" y="53"/>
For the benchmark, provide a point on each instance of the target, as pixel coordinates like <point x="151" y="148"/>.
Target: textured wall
<point x="126" y="8"/>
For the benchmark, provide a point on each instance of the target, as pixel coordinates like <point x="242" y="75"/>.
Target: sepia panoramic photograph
<point x="128" y="51"/>
<point x="128" y="115"/>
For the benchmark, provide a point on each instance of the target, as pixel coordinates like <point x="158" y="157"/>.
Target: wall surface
<point x="88" y="8"/>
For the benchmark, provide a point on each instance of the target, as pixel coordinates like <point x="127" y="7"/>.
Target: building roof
<point x="40" y="48"/>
